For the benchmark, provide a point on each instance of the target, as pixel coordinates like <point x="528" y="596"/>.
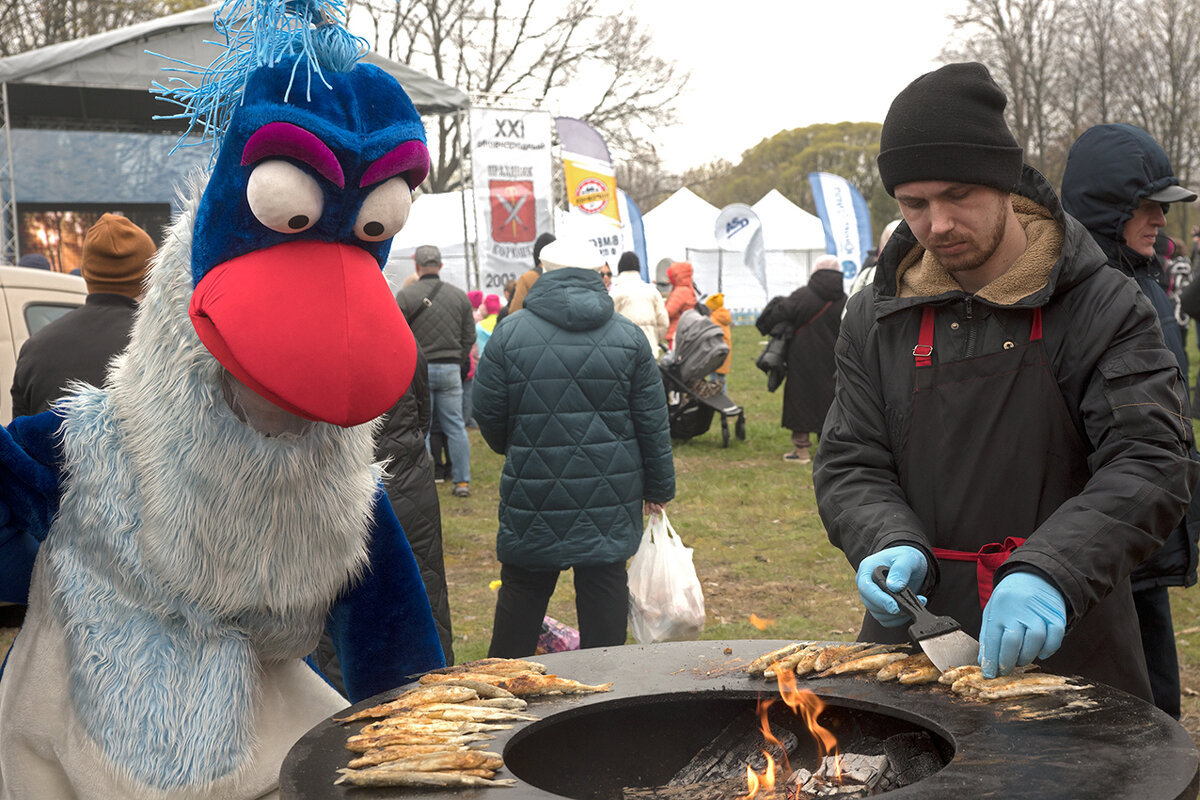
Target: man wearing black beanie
<point x="1006" y="436"/>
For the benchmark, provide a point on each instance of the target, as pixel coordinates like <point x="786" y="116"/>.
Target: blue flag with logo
<point x="846" y="220"/>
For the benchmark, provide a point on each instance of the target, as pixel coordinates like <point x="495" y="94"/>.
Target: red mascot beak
<point x="310" y="326"/>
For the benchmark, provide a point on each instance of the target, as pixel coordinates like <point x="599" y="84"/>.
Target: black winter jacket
<point x="1110" y="171"/>
<point x="77" y="346"/>
<point x="814" y="313"/>
<point x="1121" y="387"/>
<point x="413" y="494"/>
<point x="446" y="329"/>
<point x="569" y="392"/>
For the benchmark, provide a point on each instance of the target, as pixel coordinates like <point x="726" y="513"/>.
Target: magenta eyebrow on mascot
<point x="184" y="534"/>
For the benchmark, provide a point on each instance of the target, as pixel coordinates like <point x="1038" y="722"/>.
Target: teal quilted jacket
<point x="568" y="391"/>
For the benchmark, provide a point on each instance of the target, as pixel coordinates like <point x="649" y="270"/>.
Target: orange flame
<point x="762" y="623"/>
<point x="755" y="781"/>
<point x="808" y="706"/>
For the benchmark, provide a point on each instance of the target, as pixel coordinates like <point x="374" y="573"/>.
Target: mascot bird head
<point x="317" y="155"/>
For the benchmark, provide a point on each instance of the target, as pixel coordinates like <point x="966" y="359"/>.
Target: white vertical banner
<point x="511" y="173"/>
<point x="847" y="222"/>
<point x="739" y="229"/>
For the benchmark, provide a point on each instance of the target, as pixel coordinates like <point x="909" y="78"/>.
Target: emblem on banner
<point x="514" y="217"/>
<point x="592" y="195"/>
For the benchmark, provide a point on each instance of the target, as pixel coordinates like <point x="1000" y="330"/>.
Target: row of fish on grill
<point x="897" y="662"/>
<point x="435" y="734"/>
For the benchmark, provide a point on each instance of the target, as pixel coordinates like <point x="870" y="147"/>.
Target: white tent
<point x="793" y="239"/>
<point x="435" y="219"/>
<point x="682" y="221"/>
<point x="682" y="227"/>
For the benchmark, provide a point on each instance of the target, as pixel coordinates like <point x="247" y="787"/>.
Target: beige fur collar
<point x="920" y="274"/>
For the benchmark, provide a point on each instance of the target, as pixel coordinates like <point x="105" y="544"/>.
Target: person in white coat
<point x="639" y="302"/>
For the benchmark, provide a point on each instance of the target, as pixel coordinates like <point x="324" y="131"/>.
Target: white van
<point x="29" y="300"/>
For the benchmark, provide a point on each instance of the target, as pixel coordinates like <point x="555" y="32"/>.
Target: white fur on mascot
<point x="204" y="516"/>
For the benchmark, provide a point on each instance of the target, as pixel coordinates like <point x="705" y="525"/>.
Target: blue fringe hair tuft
<point x="257" y="33"/>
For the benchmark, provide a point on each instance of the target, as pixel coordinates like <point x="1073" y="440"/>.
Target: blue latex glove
<point x="906" y="567"/>
<point x="1024" y="619"/>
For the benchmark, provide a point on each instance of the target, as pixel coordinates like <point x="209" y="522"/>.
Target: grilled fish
<point x="835" y="654"/>
<point x="381" y="755"/>
<point x="870" y="660"/>
<point x="760" y="664"/>
<point x="891" y="671"/>
<point x="492" y="666"/>
<point x="381" y="776"/>
<point x="484" y="690"/>
<point x="530" y="685"/>
<point x="413" y="698"/>
<point x="361" y="744"/>
<point x="451" y="711"/>
<point x="479" y="677"/>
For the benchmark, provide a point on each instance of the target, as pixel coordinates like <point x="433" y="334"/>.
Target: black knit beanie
<point x="542" y="241"/>
<point x="948" y="125"/>
<point x="628" y="262"/>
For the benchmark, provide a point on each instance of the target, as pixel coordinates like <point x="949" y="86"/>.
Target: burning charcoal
<point x="738" y="745"/>
<point x="718" y="790"/>
<point x="913" y="756"/>
<point x="857" y="769"/>
<point x="846" y="776"/>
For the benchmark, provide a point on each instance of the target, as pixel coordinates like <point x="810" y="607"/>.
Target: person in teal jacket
<point x="569" y="392"/>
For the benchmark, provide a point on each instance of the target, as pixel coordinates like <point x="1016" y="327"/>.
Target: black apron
<point x="992" y="452"/>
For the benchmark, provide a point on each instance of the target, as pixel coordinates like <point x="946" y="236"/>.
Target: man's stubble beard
<point x="976" y="257"/>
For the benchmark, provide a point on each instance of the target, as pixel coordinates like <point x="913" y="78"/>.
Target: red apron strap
<point x="1035" y="331"/>
<point x="923" y="352"/>
<point x="988" y="560"/>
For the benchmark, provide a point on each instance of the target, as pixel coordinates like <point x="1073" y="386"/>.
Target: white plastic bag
<point x="666" y="602"/>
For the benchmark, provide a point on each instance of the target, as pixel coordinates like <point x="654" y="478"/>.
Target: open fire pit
<point x="680" y="706"/>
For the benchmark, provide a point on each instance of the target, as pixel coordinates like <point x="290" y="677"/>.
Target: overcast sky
<point x="762" y="66"/>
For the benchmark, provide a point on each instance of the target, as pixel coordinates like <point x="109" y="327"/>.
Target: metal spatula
<point x="941" y="638"/>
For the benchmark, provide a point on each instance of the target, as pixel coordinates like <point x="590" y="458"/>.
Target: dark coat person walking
<point x="1119" y="184"/>
<point x="814" y="313"/>
<point x="1004" y="402"/>
<point x="413" y="494"/>
<point x="568" y="391"/>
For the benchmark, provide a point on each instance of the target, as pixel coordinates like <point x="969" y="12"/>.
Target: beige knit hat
<point x="115" y="256"/>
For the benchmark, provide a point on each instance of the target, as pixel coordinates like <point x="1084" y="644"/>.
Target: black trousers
<point x="1158" y="643"/>
<point x="601" y="603"/>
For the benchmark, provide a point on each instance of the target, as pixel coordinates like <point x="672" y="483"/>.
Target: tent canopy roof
<point x="102" y="81"/>
<point x="787" y="226"/>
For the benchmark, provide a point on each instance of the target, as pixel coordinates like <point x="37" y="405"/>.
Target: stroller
<point x="691" y="400"/>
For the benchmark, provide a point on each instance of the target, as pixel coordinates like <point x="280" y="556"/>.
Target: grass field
<point x="759" y="545"/>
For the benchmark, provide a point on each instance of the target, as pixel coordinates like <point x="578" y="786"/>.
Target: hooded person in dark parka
<point x="814" y="312"/>
<point x="569" y="392"/>
<point x="1000" y="389"/>
<point x="1118" y="183"/>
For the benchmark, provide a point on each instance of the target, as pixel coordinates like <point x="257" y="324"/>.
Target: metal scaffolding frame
<point x="9" y="246"/>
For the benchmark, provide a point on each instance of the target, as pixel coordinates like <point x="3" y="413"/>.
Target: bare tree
<point x="1022" y="42"/>
<point x="531" y="53"/>
<point x="28" y="24"/>
<point x="1161" y="81"/>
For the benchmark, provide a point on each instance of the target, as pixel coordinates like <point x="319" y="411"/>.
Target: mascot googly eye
<point x="284" y="197"/>
<point x="384" y="211"/>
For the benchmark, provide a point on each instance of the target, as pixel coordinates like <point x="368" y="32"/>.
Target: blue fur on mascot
<point x="184" y="534"/>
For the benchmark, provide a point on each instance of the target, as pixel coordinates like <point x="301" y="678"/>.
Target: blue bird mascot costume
<point x="184" y="534"/>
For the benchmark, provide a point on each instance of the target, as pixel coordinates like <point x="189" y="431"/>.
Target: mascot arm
<point x="30" y="474"/>
<point x="383" y="629"/>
